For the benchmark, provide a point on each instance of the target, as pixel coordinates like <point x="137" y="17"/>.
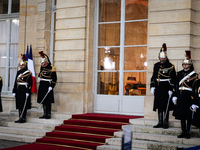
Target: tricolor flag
<point x="27" y="55"/>
<point x="31" y="68"/>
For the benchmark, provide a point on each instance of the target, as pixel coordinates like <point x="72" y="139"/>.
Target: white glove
<point x="39" y="79"/>
<point x="153" y="90"/>
<point x="50" y="88"/>
<point x="27" y="94"/>
<point x="174" y="99"/>
<point x="13" y="94"/>
<point x="194" y="107"/>
<point x="170" y="93"/>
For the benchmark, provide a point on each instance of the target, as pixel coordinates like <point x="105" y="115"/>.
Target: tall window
<point x="9" y="32"/>
<point x="122" y="47"/>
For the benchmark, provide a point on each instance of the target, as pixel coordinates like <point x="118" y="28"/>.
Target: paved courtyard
<point x="7" y="144"/>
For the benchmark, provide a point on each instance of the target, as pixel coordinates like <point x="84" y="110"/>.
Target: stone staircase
<point x="146" y="137"/>
<point x="31" y="130"/>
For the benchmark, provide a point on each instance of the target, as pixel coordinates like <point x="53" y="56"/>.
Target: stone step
<point x="153" y="122"/>
<point x="22" y="131"/>
<point x="145" y="144"/>
<point x="111" y="147"/>
<point x="45" y="121"/>
<point x="149" y="129"/>
<point x="37" y="126"/>
<point x="18" y="138"/>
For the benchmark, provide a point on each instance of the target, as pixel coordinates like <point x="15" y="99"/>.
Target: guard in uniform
<point x="195" y="108"/>
<point x="22" y="90"/>
<point x="1" y="84"/>
<point x="47" y="78"/>
<point x="162" y="85"/>
<point x="183" y="95"/>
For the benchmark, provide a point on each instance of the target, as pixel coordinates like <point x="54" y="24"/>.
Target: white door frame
<point x="120" y="100"/>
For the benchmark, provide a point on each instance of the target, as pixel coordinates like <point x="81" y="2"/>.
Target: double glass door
<point x="120" y="48"/>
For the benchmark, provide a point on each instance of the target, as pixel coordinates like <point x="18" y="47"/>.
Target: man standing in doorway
<point x="162" y="84"/>
<point x="47" y="78"/>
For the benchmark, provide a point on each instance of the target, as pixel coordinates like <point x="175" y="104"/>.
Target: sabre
<point x="24" y="107"/>
<point x="192" y="115"/>
<point x="167" y="107"/>
<point x="43" y="99"/>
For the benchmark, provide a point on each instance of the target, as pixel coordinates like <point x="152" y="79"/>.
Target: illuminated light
<point x="15" y="21"/>
<point x="141" y="56"/>
<point x="108" y="64"/>
<point x="145" y="63"/>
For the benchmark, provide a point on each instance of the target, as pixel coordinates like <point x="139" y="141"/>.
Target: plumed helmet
<point x="23" y="60"/>
<point x="163" y="51"/>
<point x="187" y="59"/>
<point x="44" y="57"/>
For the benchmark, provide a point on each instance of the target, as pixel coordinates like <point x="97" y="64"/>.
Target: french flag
<point x="31" y="68"/>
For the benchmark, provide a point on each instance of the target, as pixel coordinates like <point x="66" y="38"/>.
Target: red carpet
<point x="82" y="132"/>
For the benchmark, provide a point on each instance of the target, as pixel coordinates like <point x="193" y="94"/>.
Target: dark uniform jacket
<point x="163" y="79"/>
<point x="48" y="79"/>
<point x="24" y="76"/>
<point x="196" y="101"/>
<point x="184" y="97"/>
<point x="1" y="84"/>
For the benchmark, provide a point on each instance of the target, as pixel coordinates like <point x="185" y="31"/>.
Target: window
<point x="122" y="47"/>
<point x="9" y="33"/>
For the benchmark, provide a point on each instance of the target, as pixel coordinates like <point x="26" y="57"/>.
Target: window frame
<point x="8" y="17"/>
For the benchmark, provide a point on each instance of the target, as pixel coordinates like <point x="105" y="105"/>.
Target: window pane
<point x="13" y="55"/>
<point x="3" y="31"/>
<point x="3" y="74"/>
<point x="135" y="58"/>
<point x="3" y="6"/>
<point x="134" y="83"/>
<point x="14" y="31"/>
<point x="12" y="74"/>
<point x="136" y="9"/>
<point x="109" y="34"/>
<point x="108" y="59"/>
<point x="3" y="55"/>
<point x="108" y="83"/>
<point x="109" y="10"/>
<point x="15" y="6"/>
<point x="136" y="33"/>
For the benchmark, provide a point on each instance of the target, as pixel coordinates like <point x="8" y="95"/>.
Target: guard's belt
<point x="162" y="80"/>
<point x="49" y="80"/>
<point x="185" y="88"/>
<point x="21" y="83"/>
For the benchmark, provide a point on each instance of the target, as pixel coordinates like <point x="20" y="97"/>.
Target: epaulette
<point x="0" y="77"/>
<point x="53" y="68"/>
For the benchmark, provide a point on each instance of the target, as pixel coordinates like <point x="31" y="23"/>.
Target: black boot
<point x="48" y="112"/>
<point x="160" y="120"/>
<point x="183" y="127"/>
<point x="19" y="116"/>
<point x="166" y="121"/>
<point x="23" y="119"/>
<point x="45" y="110"/>
<point x="187" y="136"/>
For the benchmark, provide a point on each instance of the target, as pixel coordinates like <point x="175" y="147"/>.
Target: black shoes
<point x="21" y="120"/>
<point x="159" y="125"/>
<point x="43" y="117"/>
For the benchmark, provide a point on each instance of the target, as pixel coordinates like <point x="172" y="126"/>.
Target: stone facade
<point x="174" y="22"/>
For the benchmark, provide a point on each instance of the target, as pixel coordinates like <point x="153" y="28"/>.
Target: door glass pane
<point x="136" y="33"/>
<point x="108" y="59"/>
<point x="3" y="74"/>
<point x="108" y="83"/>
<point x="3" y="31"/>
<point x="3" y="6"/>
<point x="136" y="9"/>
<point x="13" y="55"/>
<point x="14" y="31"/>
<point x="134" y="83"/>
<point x="109" y="10"/>
<point x="3" y="55"/>
<point x="135" y="58"/>
<point x="109" y="34"/>
<point x="11" y="80"/>
<point x="15" y="6"/>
